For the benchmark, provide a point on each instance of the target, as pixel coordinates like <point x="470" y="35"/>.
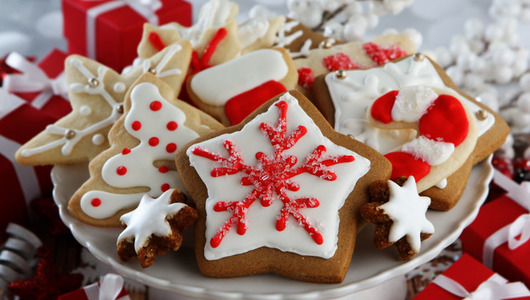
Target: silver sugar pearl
<point x="419" y="57"/>
<point x="69" y="134"/>
<point x="340" y="74"/>
<point x="93" y="82"/>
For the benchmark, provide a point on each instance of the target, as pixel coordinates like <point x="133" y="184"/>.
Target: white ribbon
<point x="145" y="8"/>
<point x="494" y="288"/>
<point x="109" y="288"/>
<point x="520" y="193"/>
<point x="33" y="79"/>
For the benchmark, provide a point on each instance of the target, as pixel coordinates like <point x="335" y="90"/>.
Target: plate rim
<point x="338" y="291"/>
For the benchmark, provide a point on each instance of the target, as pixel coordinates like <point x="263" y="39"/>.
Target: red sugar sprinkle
<point x="171" y="147"/>
<point x="153" y="141"/>
<point x="306" y="77"/>
<point x="172" y="125"/>
<point x="125" y="151"/>
<point x="165" y="187"/>
<point x="136" y="125"/>
<point x="155" y="105"/>
<point x="121" y="170"/>
<point x="381" y="55"/>
<point x="163" y="169"/>
<point x="339" y="61"/>
<point x="95" y="202"/>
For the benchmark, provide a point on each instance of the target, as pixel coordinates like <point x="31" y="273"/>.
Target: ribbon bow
<point x="33" y="79"/>
<point x="519" y="193"/>
<point x="494" y="288"/>
<point x="110" y="287"/>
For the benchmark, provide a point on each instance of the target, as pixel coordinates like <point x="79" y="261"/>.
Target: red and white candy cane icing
<point x="279" y="183"/>
<point x="159" y="126"/>
<point x="442" y="125"/>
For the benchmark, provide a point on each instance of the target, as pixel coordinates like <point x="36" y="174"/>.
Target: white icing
<point x="412" y="102"/>
<point x="109" y="208"/>
<point x="140" y="170"/>
<point x="353" y="95"/>
<point x="99" y="89"/>
<point x="252" y="30"/>
<point x="282" y="39"/>
<point x="305" y="50"/>
<point x="261" y="230"/>
<point x="159" y="68"/>
<point x="85" y="110"/>
<point x="407" y="210"/>
<point x="214" y="14"/>
<point x="432" y="152"/>
<point x="98" y="139"/>
<point x="442" y="184"/>
<point x="149" y="218"/>
<point x="218" y="84"/>
<point x="119" y="87"/>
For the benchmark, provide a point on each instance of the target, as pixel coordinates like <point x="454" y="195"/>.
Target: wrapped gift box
<point x="43" y="84"/>
<point x="110" y="30"/>
<point x="468" y="277"/>
<point x="19" y="122"/>
<point x="109" y="287"/>
<point x="500" y="235"/>
<point x="494" y="215"/>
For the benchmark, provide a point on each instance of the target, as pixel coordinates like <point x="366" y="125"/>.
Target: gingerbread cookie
<point x="278" y="193"/>
<point x="258" y="33"/>
<point x="140" y="159"/>
<point x="398" y="213"/>
<point x="155" y="227"/>
<point x="353" y="55"/>
<point x="96" y="93"/>
<point x="345" y="96"/>
<point x="231" y="91"/>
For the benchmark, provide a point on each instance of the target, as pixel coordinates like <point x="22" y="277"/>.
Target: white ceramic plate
<point x="177" y="272"/>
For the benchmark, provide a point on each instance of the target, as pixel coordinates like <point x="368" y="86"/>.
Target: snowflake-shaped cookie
<point x="277" y="183"/>
<point x="399" y="215"/>
<point x="154" y="227"/>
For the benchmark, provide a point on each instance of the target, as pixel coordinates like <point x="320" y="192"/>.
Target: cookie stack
<point x="270" y="140"/>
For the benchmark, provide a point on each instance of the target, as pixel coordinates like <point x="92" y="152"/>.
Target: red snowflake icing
<point x="271" y="175"/>
<point x="381" y="55"/>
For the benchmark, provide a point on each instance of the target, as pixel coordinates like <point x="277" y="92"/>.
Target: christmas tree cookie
<point x="140" y="159"/>
<point x="278" y="193"/>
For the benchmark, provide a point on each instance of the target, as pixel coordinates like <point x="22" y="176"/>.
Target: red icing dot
<point x="381" y="55"/>
<point x="153" y="141"/>
<point x="339" y="61"/>
<point x="95" y="202"/>
<point x="155" y="105"/>
<point x="165" y="187"/>
<point x="172" y="125"/>
<point x="163" y="169"/>
<point x="136" y="125"/>
<point x="404" y="164"/>
<point x="306" y="76"/>
<point x="171" y="147"/>
<point x="445" y="120"/>
<point x="121" y="170"/>
<point x="125" y="151"/>
<point x="382" y="108"/>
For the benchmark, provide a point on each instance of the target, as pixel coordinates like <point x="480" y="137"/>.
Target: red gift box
<point x="111" y="285"/>
<point x="43" y="84"/>
<point x="487" y="239"/>
<point x="109" y="31"/>
<point x="19" y="122"/>
<point x="469" y="278"/>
